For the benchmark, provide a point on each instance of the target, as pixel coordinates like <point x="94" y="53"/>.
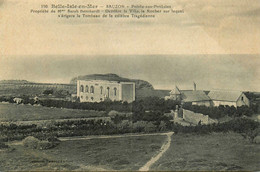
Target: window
<point x="108" y="92"/>
<point x="101" y="90"/>
<point x="91" y="89"/>
<point x="81" y="88"/>
<point x="115" y="91"/>
<point x="92" y="98"/>
<point x="87" y="88"/>
<point x="242" y="98"/>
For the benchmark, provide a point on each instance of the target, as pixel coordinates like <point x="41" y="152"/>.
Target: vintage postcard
<point x="140" y="85"/>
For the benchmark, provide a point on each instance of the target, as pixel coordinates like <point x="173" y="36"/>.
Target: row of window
<point x="92" y="90"/>
<point x="87" y="89"/>
<point x="92" y="98"/>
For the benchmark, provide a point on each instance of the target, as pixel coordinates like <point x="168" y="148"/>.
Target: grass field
<point x="187" y="152"/>
<point x="126" y="153"/>
<point x="216" y="151"/>
<point x="14" y="112"/>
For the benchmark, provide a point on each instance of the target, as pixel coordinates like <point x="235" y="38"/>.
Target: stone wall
<point x="195" y="118"/>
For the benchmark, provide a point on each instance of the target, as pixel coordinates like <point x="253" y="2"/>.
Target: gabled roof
<point x="175" y="91"/>
<point x="194" y="96"/>
<point x="231" y="96"/>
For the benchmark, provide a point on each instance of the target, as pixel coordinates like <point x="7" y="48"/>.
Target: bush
<point x="31" y="142"/>
<point x="251" y="134"/>
<point x="221" y="111"/>
<point x="162" y="126"/>
<point x="47" y="92"/>
<point x="248" y="128"/>
<point x="150" y="116"/>
<point x="150" y="127"/>
<point x="113" y="113"/>
<point x="139" y="126"/>
<point x="43" y="145"/>
<point x="3" y="145"/>
<point x="34" y="143"/>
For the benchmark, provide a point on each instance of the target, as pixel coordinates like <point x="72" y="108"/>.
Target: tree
<point x="47" y="92"/>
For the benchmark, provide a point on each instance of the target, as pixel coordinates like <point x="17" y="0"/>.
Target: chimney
<point x="194" y="86"/>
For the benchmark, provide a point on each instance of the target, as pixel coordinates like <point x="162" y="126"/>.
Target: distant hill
<point x="14" y="82"/>
<point x="140" y="84"/>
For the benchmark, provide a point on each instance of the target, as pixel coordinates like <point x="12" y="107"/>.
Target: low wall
<point x="195" y="118"/>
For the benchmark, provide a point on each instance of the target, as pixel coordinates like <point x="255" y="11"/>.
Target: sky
<point x="215" y="43"/>
<point x="230" y="72"/>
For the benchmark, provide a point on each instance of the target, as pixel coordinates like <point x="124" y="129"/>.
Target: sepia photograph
<point x="120" y="85"/>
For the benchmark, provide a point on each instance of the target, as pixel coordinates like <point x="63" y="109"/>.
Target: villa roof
<point x="106" y="81"/>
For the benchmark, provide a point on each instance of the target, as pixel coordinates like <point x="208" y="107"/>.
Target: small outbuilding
<point x="227" y="97"/>
<point x="195" y="97"/>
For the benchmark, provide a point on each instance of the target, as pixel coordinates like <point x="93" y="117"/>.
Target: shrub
<point x="44" y="145"/>
<point x="112" y="113"/>
<point x="3" y="145"/>
<point x="34" y="143"/>
<point x="139" y="126"/>
<point x="31" y="142"/>
<point x="221" y="111"/>
<point x="47" y="92"/>
<point x="251" y="134"/>
<point x="150" y="127"/>
<point x="248" y="128"/>
<point x="162" y="126"/>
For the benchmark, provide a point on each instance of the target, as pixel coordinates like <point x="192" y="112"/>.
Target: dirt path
<point x="108" y="136"/>
<point x="163" y="149"/>
<point x="96" y="137"/>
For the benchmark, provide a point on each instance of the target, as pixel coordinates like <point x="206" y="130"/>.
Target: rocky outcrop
<point x="140" y="84"/>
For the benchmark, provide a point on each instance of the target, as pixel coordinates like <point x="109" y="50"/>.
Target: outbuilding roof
<point x="175" y="91"/>
<point x="231" y="96"/>
<point x="194" y="96"/>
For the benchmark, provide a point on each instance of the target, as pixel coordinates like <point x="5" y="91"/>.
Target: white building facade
<point x="100" y="90"/>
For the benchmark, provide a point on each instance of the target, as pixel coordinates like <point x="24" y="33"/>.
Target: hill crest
<point x="140" y="84"/>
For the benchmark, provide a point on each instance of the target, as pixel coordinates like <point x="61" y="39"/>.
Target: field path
<point x="109" y="136"/>
<point x="163" y="149"/>
<point x="97" y="137"/>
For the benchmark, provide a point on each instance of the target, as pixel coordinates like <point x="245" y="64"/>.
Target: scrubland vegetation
<point x="41" y="149"/>
<point x="126" y="153"/>
<point x="145" y="115"/>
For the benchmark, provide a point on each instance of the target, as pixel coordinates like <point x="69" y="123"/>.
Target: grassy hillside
<point x="13" y="112"/>
<point x="211" y="152"/>
<point x="14" y="82"/>
<point x="126" y="153"/>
